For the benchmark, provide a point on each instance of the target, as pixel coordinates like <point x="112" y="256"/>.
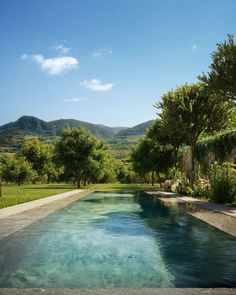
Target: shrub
<point x="180" y="181"/>
<point x="223" y="183"/>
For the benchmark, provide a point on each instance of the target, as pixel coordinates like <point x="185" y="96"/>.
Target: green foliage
<point x="220" y="144"/>
<point x="223" y="183"/>
<point x="125" y="172"/>
<point x="161" y="132"/>
<point x="190" y="111"/>
<point x="41" y="156"/>
<point x="151" y="156"/>
<point x="83" y="156"/>
<point x="16" y="169"/>
<point x="222" y="76"/>
<point x="180" y="181"/>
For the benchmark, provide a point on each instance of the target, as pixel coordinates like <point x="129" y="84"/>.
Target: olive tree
<point x="82" y="155"/>
<point x="221" y="78"/>
<point x="190" y="110"/>
<point x="150" y="156"/>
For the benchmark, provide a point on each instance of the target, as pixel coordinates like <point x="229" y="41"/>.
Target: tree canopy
<point x="190" y="110"/>
<point x="221" y="78"/>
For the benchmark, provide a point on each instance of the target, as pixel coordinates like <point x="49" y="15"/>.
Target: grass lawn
<point x="13" y="194"/>
<point x="120" y="186"/>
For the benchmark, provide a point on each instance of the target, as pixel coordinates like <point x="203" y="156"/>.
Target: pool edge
<point x="19" y="219"/>
<point x="120" y="291"/>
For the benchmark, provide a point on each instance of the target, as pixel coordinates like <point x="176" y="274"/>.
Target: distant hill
<point x="13" y="134"/>
<point x="137" y="130"/>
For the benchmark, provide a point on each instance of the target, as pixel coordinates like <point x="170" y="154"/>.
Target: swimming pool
<point x="118" y="239"/>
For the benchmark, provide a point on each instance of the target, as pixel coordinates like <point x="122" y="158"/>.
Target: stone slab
<point x="171" y="200"/>
<point x="228" y="210"/>
<point x="162" y="193"/>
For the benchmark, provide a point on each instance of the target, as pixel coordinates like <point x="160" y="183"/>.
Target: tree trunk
<point x="159" y="178"/>
<point x="192" y="154"/>
<point x="0" y="186"/>
<point x="175" y="153"/>
<point x="78" y="177"/>
<point x="153" y="178"/>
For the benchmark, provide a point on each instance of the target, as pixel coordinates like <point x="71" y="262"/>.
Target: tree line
<point x="76" y="157"/>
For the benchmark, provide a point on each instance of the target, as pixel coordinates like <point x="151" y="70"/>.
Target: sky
<point x="104" y="61"/>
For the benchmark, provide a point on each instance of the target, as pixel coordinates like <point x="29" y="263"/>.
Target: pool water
<point x="115" y="239"/>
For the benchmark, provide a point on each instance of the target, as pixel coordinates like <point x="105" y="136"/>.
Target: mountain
<point x="137" y="130"/>
<point x="13" y="134"/>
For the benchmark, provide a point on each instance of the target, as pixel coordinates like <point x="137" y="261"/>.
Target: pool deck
<point x="19" y="216"/>
<point x="220" y="216"/>
<point x="145" y="291"/>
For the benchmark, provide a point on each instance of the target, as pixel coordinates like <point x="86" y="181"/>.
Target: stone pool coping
<point x="220" y="216"/>
<point x="16" y="209"/>
<point x="204" y="204"/>
<point x="120" y="291"/>
<point x="19" y="216"/>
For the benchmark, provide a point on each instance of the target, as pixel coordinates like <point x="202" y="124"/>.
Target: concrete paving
<point x="12" y="210"/>
<point x="210" y="206"/>
<point x="146" y="291"/>
<point x="171" y="200"/>
<point x="17" y="217"/>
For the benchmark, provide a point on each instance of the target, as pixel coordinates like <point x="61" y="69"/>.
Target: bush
<point x="180" y="181"/>
<point x="223" y="183"/>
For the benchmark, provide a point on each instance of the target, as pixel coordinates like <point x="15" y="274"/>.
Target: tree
<point x="221" y="79"/>
<point x="74" y="150"/>
<point x="41" y="157"/>
<point x="190" y="111"/>
<point x="16" y="169"/>
<point x="161" y="132"/>
<point x="22" y="170"/>
<point x="100" y="165"/>
<point x="150" y="156"/>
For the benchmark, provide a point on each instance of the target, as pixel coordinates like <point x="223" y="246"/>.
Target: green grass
<point x="13" y="194"/>
<point x="120" y="186"/>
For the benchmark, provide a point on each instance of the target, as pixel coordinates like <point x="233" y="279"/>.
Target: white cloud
<point x="96" y="85"/>
<point x="53" y="66"/>
<point x="101" y="53"/>
<point x="194" y="47"/>
<point x="61" y="47"/>
<point x="73" y="99"/>
<point x="24" y="56"/>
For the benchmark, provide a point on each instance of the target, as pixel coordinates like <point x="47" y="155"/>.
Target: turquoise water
<point x="118" y="240"/>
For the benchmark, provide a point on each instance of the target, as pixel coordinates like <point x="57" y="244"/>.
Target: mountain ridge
<point x="14" y="133"/>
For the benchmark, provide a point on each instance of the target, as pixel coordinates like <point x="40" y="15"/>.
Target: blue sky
<point x="103" y="61"/>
